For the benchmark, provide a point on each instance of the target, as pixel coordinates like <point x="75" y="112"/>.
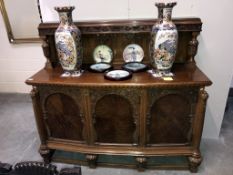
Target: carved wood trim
<point x="126" y="86"/>
<point x="124" y="26"/>
<point x="38" y="115"/>
<point x="143" y="118"/>
<point x="193" y="47"/>
<point x="46" y="51"/>
<point x="91" y="134"/>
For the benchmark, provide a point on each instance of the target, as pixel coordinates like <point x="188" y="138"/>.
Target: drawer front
<point x="170" y="115"/>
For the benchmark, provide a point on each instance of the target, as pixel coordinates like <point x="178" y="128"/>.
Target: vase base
<point x="157" y="74"/>
<point x="77" y="73"/>
<point x="66" y="74"/>
<point x="72" y="74"/>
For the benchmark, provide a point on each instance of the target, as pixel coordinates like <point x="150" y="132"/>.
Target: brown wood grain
<point x="141" y="117"/>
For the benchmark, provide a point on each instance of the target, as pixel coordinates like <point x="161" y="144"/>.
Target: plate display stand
<point x="143" y="122"/>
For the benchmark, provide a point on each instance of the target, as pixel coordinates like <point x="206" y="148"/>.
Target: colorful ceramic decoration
<point x="117" y="75"/>
<point x="164" y="41"/>
<point x="103" y="53"/>
<point x="68" y="43"/>
<point x="133" y="53"/>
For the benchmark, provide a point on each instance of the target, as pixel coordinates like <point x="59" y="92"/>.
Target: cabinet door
<point x="170" y="116"/>
<point x="63" y="113"/>
<point x="115" y="116"/>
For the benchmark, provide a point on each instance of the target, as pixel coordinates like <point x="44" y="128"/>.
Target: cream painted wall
<point x="215" y="56"/>
<point x="17" y="62"/>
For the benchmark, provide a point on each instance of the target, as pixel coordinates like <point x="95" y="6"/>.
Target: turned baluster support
<point x="196" y="158"/>
<point x="46" y="51"/>
<point x="192" y="47"/>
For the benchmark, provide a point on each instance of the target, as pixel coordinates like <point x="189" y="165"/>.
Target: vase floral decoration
<point x="164" y="39"/>
<point x="68" y="43"/>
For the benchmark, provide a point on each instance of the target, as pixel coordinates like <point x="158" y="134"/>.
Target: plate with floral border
<point x="103" y="53"/>
<point x="133" y="53"/>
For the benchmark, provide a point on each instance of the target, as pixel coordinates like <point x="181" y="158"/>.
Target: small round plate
<point x="133" y="53"/>
<point x="118" y="75"/>
<point x="100" y="67"/>
<point x="135" y="67"/>
<point x="103" y="53"/>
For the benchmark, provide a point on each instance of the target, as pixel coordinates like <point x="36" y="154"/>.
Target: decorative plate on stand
<point x="103" y="57"/>
<point x="117" y="75"/>
<point x="100" y="67"/>
<point x="135" y="67"/>
<point x="133" y="55"/>
<point x="103" y="53"/>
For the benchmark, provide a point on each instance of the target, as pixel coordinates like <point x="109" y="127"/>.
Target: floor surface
<point x="19" y="141"/>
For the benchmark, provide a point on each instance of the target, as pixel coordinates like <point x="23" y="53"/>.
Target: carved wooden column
<point x="46" y="50"/>
<point x="88" y="117"/>
<point x="195" y="159"/>
<point x="143" y="118"/>
<point x="43" y="150"/>
<point x="192" y="47"/>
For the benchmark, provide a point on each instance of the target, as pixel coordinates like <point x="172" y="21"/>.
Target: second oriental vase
<point x="164" y="41"/>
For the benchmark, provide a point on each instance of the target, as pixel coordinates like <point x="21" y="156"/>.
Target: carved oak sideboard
<point x="137" y="122"/>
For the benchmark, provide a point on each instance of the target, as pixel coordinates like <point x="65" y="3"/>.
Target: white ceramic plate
<point x="133" y="53"/>
<point x="134" y="66"/>
<point x="118" y="75"/>
<point x="100" y="67"/>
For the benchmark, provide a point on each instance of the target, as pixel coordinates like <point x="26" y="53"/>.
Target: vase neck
<point x="65" y="14"/>
<point x="65" y="18"/>
<point x="160" y="13"/>
<point x="165" y="10"/>
<point x="167" y="14"/>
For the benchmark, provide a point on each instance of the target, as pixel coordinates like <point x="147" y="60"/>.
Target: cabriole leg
<point x="141" y="163"/>
<point x="91" y="159"/>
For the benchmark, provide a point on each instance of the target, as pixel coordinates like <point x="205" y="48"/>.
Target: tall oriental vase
<point x="164" y="41"/>
<point x="68" y="43"/>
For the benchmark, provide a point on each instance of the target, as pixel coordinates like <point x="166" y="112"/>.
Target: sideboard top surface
<point x="185" y="75"/>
